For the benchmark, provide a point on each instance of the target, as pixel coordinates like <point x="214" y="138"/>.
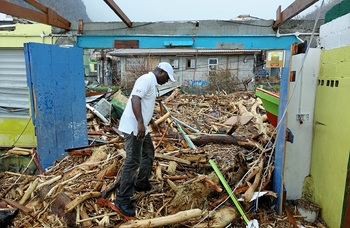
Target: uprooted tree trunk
<point x="203" y="140"/>
<point x="193" y="193"/>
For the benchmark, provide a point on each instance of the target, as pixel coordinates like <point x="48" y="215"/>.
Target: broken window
<point x="174" y="63"/>
<point x="191" y="64"/>
<point x="212" y="66"/>
<point x="134" y="64"/>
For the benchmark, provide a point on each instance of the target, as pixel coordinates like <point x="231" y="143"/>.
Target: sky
<point x="187" y="10"/>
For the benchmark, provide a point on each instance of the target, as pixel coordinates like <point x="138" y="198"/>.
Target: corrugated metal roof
<point x="127" y="52"/>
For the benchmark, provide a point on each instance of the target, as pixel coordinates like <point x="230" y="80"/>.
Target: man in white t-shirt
<point x="138" y="143"/>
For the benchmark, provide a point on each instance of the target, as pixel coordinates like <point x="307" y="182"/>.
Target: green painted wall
<point x="331" y="142"/>
<point x="338" y="10"/>
<point x="12" y="128"/>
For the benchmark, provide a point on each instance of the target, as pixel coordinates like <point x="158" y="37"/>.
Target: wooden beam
<point x="119" y="12"/>
<point x="47" y="16"/>
<point x="51" y="14"/>
<point x="293" y="9"/>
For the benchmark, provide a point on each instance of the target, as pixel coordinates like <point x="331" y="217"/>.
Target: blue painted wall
<point x="263" y="42"/>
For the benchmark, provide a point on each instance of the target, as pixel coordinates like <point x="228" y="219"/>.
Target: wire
<point x="277" y="129"/>
<point x="291" y="95"/>
<point x="30" y="118"/>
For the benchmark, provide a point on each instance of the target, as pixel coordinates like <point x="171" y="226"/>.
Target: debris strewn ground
<point x="231" y="130"/>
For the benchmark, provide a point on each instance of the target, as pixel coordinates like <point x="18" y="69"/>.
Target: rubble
<point x="230" y="129"/>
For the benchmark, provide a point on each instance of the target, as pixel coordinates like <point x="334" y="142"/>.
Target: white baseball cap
<point x="167" y="68"/>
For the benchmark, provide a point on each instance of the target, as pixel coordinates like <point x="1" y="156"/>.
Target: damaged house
<point x="313" y="92"/>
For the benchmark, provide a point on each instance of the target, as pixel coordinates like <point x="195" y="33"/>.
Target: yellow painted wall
<point x="24" y="33"/>
<point x="331" y="137"/>
<point x="17" y="132"/>
<point x="20" y="132"/>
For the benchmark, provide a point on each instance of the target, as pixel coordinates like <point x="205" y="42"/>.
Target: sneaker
<point x="126" y="209"/>
<point x="143" y="188"/>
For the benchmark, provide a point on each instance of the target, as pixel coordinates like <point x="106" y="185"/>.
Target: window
<point x="191" y="63"/>
<point x="134" y="63"/>
<point x="212" y="65"/>
<point x="174" y="63"/>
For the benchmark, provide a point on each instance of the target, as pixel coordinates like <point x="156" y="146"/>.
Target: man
<point x="138" y="143"/>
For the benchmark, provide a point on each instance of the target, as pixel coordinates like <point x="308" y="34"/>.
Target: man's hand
<point x="155" y="128"/>
<point x="140" y="131"/>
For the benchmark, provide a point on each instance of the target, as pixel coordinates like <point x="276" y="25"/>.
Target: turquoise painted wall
<point x="209" y="41"/>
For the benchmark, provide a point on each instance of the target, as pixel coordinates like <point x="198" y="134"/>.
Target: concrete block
<point x="345" y="37"/>
<point x="326" y="29"/>
<point x="330" y="41"/>
<point x="341" y="23"/>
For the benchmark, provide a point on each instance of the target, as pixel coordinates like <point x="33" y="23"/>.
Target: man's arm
<point x="136" y="108"/>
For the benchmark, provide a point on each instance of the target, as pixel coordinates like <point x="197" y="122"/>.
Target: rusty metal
<point x="293" y="9"/>
<point x="46" y="16"/>
<point x="291" y="219"/>
<point x="122" y="44"/>
<point x="80" y="26"/>
<point x="119" y="12"/>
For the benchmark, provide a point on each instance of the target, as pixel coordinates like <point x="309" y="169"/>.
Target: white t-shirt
<point x="145" y="88"/>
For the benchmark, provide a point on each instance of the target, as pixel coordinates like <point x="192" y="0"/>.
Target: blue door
<point x="55" y="77"/>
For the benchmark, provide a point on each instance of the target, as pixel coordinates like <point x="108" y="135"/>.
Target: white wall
<point x="302" y="100"/>
<point x="335" y="33"/>
<point x="240" y="66"/>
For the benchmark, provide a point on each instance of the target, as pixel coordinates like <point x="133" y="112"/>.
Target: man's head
<point x="166" y="73"/>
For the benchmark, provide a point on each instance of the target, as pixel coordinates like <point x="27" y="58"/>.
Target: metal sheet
<point x="13" y="84"/>
<point x="56" y="81"/>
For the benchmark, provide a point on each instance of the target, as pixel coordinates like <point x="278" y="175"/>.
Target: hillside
<point x="327" y="6"/>
<point x="70" y="10"/>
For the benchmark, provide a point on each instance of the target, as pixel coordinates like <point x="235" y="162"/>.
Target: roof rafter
<point x="46" y="16"/>
<point x="293" y="9"/>
<point x="119" y="12"/>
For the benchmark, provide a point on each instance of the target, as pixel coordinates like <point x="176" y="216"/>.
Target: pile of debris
<point x="213" y="168"/>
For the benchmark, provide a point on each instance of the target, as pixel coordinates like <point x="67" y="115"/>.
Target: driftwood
<point x="174" y="94"/>
<point x="58" y="206"/>
<point x="223" y="139"/>
<point x="98" y="155"/>
<point x="29" y="191"/>
<point x="20" y="151"/>
<point x="181" y="176"/>
<point x="163" y="118"/>
<point x="23" y="209"/>
<point x="163" y="221"/>
<point x="247" y="196"/>
<point x="171" y="158"/>
<point x="220" y="218"/>
<point x="81" y="199"/>
<point x="212" y="184"/>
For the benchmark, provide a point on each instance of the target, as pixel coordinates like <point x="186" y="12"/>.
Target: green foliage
<point x="223" y="80"/>
<point x="105" y="89"/>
